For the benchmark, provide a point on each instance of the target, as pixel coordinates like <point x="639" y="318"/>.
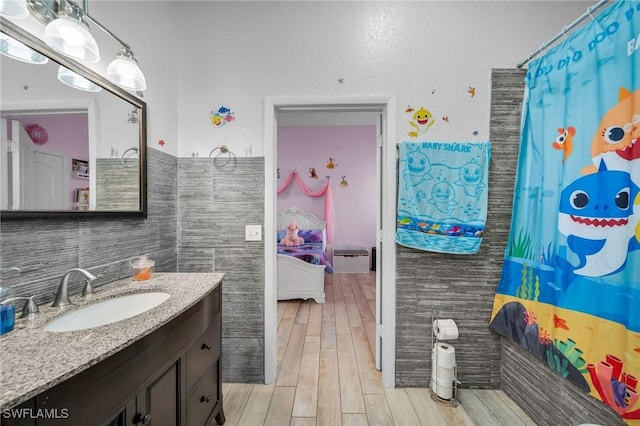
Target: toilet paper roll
<point x="445" y="329"/>
<point x="444" y="376"/>
<point x="445" y="355"/>
<point x="443" y="361"/>
<point x="443" y="386"/>
<point x="444" y="392"/>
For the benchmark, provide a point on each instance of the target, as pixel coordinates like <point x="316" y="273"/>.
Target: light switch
<point x="253" y="232"/>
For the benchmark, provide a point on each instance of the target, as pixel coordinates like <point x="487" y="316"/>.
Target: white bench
<point x="348" y="258"/>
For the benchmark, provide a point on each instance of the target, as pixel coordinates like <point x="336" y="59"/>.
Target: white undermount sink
<point x="107" y="312"/>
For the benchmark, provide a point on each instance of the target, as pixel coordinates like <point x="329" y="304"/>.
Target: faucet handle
<point x="87" y="290"/>
<point x="30" y="308"/>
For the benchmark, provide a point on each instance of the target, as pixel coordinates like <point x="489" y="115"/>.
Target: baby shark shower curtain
<point x="570" y="285"/>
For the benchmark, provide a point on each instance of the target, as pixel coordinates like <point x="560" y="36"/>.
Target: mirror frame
<point x="25" y="37"/>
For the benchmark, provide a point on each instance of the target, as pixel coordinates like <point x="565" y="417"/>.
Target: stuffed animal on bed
<point x="292" y="238"/>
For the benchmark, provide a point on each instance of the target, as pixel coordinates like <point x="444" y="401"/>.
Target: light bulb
<point x="125" y="72"/>
<point x="14" y="49"/>
<point x="76" y="81"/>
<point x="14" y="8"/>
<point x="72" y="38"/>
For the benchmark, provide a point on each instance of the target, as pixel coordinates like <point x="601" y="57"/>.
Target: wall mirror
<point x="67" y="153"/>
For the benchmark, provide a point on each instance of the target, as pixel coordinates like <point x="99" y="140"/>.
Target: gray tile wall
<point x="548" y="398"/>
<point x="46" y="249"/>
<point x="117" y="184"/>
<point x="545" y="396"/>
<point x="215" y="204"/>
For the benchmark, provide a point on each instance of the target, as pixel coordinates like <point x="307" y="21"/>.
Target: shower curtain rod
<point x="564" y="31"/>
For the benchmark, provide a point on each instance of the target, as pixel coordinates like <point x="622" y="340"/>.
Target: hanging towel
<point x="442" y="195"/>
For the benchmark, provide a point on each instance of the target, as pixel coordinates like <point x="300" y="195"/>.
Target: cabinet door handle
<point x="142" y="418"/>
<point x="206" y="399"/>
<point x="206" y="346"/>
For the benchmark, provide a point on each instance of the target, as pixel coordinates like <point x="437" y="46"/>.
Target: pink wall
<point x="353" y="149"/>
<point x="68" y="135"/>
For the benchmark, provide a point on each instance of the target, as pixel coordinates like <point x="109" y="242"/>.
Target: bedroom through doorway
<point x="340" y="149"/>
<point x="383" y="108"/>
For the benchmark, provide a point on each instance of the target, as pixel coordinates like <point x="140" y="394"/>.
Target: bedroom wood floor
<point x="313" y="388"/>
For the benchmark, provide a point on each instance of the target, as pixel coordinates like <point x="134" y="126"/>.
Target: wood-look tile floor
<point x="327" y="376"/>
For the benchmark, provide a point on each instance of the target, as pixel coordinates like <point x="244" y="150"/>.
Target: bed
<point x="301" y="269"/>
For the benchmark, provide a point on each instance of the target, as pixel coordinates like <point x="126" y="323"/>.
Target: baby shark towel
<point x="442" y="195"/>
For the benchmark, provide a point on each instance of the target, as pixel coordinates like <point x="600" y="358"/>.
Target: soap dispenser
<point x="7" y="309"/>
<point x="7" y="305"/>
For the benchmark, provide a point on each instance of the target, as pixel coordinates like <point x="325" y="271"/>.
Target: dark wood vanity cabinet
<point x="157" y="404"/>
<point x="203" y="375"/>
<point x="171" y="377"/>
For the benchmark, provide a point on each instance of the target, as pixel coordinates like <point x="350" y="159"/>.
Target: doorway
<point x="34" y="178"/>
<point x="385" y="286"/>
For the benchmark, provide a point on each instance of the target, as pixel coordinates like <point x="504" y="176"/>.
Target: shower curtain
<point x="570" y="285"/>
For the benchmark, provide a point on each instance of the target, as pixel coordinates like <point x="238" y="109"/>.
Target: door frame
<point x="388" y="254"/>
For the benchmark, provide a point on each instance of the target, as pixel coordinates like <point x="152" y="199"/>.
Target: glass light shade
<point x="14" y="8"/>
<point x="14" y="49"/>
<point x="76" y="81"/>
<point x="72" y="38"/>
<point x="125" y="72"/>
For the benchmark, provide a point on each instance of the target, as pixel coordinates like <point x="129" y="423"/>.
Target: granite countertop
<point x="34" y="360"/>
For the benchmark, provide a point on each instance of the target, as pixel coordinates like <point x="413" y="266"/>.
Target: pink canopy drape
<point x="325" y="190"/>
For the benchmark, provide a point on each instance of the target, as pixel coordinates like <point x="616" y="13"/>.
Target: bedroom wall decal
<point x="325" y="190"/>
<point x="313" y="173"/>
<point x="221" y="117"/>
<point x="421" y="120"/>
<point x="570" y="285"/>
<point x="343" y="182"/>
<point x="331" y="164"/>
<point x="37" y="133"/>
<point x="471" y="91"/>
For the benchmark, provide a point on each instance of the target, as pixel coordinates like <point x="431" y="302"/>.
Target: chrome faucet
<point x="62" y="296"/>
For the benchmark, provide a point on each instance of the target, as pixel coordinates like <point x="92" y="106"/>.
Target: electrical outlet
<point x="253" y="232"/>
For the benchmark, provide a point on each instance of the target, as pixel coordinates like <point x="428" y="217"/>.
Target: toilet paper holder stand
<point x="453" y="401"/>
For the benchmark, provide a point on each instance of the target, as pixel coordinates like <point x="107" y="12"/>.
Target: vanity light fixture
<point x="69" y="34"/>
<point x="14" y="49"/>
<point x="125" y="72"/>
<point x="76" y="81"/>
<point x="14" y="8"/>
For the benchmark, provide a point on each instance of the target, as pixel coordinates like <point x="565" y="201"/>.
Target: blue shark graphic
<point x="443" y="197"/>
<point x="596" y="214"/>
<point x="471" y="177"/>
<point x="417" y="169"/>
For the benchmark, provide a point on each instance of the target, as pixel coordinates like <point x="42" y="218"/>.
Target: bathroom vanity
<point x="161" y="367"/>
